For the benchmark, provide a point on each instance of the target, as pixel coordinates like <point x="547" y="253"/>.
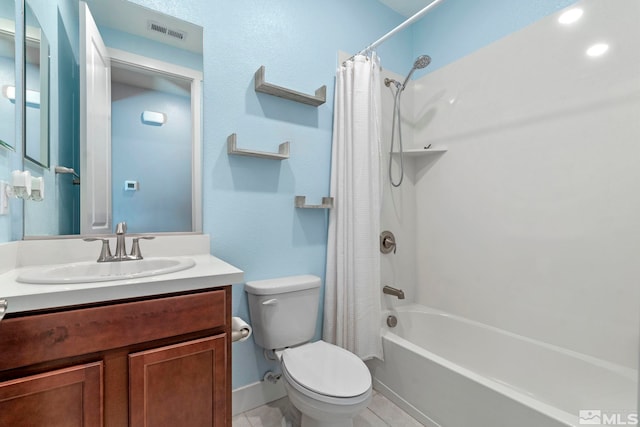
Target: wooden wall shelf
<point x="261" y="86"/>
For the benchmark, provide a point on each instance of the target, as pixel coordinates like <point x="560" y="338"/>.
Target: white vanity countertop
<point x="207" y="272"/>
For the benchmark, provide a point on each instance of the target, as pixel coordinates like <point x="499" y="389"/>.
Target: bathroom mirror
<point x="128" y="153"/>
<point x="36" y="106"/>
<point x="7" y="74"/>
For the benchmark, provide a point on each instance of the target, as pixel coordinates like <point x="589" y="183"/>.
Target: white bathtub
<point x="452" y="372"/>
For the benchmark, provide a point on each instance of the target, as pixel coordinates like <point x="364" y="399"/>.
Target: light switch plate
<point x="4" y="198"/>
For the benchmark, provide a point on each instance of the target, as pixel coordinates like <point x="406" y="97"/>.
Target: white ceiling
<point x="406" y="7"/>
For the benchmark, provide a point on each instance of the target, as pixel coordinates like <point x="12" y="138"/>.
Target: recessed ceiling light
<point x="597" y="49"/>
<point x="570" y="16"/>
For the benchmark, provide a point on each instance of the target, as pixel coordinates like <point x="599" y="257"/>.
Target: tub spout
<point x="393" y="291"/>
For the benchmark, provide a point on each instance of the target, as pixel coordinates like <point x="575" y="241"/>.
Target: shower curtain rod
<point x="400" y="27"/>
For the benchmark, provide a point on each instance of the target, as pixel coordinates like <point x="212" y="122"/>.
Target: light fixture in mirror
<point x="132" y="170"/>
<point x="36" y="106"/>
<point x="7" y="79"/>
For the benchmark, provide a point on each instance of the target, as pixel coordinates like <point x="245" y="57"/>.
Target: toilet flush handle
<point x="272" y="301"/>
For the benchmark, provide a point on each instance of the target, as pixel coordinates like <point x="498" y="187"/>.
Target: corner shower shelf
<point x="264" y="87"/>
<point x="417" y="152"/>
<point x="327" y="203"/>
<point x="232" y="148"/>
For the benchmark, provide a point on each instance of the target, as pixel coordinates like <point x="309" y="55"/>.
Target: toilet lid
<point x="327" y="369"/>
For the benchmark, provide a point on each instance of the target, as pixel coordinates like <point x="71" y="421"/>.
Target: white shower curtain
<point x="352" y="292"/>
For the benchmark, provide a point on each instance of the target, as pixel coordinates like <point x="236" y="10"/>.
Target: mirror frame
<point x="12" y="30"/>
<point x="32" y="38"/>
<point x="123" y="57"/>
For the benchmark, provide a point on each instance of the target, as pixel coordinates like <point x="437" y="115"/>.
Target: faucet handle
<point x="135" y="246"/>
<point x="387" y="242"/>
<point x="105" y="252"/>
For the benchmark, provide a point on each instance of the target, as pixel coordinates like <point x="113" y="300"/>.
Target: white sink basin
<point x="91" y="271"/>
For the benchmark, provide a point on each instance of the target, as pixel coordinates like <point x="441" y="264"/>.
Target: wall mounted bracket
<point x="264" y="87"/>
<point x="327" y="203"/>
<point x="232" y="148"/>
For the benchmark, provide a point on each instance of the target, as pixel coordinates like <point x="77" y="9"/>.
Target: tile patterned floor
<point x="380" y="413"/>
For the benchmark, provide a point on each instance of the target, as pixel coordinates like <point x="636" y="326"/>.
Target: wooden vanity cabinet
<point x="64" y="397"/>
<point x="162" y="361"/>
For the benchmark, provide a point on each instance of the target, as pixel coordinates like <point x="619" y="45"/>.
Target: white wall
<point x="531" y="220"/>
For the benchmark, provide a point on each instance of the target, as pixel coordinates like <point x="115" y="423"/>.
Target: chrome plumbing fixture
<point x="66" y="170"/>
<point x="388" y="290"/>
<point x="421" y="62"/>
<point x="135" y="247"/>
<point x="271" y="377"/>
<point x="121" y="246"/>
<point x="392" y="321"/>
<point x="105" y="252"/>
<point x="270" y="354"/>
<point x="387" y="242"/>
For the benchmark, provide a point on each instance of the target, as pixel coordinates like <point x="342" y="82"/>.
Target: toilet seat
<point x="326" y="372"/>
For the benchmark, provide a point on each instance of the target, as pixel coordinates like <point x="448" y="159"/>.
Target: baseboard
<point x="381" y="388"/>
<point x="257" y="394"/>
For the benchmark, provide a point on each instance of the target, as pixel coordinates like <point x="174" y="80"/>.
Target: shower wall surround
<point x="530" y="221"/>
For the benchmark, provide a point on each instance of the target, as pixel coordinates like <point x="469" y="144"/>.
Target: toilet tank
<point x="283" y="311"/>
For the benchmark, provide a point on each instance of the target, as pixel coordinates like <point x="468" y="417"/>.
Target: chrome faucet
<point x="393" y="291"/>
<point x="121" y="246"/>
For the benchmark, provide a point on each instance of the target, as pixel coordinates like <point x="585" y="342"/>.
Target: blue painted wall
<point x="163" y="201"/>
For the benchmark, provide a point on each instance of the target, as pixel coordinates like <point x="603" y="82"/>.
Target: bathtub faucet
<point x="393" y="291"/>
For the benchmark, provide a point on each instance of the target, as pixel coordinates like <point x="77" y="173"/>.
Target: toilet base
<point x="319" y="414"/>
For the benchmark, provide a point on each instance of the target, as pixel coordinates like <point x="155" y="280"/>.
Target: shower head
<point x="421" y="62"/>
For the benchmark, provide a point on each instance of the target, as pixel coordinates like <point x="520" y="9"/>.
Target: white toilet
<point x="327" y="384"/>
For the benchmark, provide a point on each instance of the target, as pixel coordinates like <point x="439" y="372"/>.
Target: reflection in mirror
<point x="36" y="113"/>
<point x="147" y="171"/>
<point x="153" y="116"/>
<point x="7" y="81"/>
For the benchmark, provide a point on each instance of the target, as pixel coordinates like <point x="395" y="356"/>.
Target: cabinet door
<point x="70" y="397"/>
<point x="180" y="385"/>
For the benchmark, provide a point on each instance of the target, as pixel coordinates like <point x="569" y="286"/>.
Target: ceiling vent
<point x="173" y="33"/>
